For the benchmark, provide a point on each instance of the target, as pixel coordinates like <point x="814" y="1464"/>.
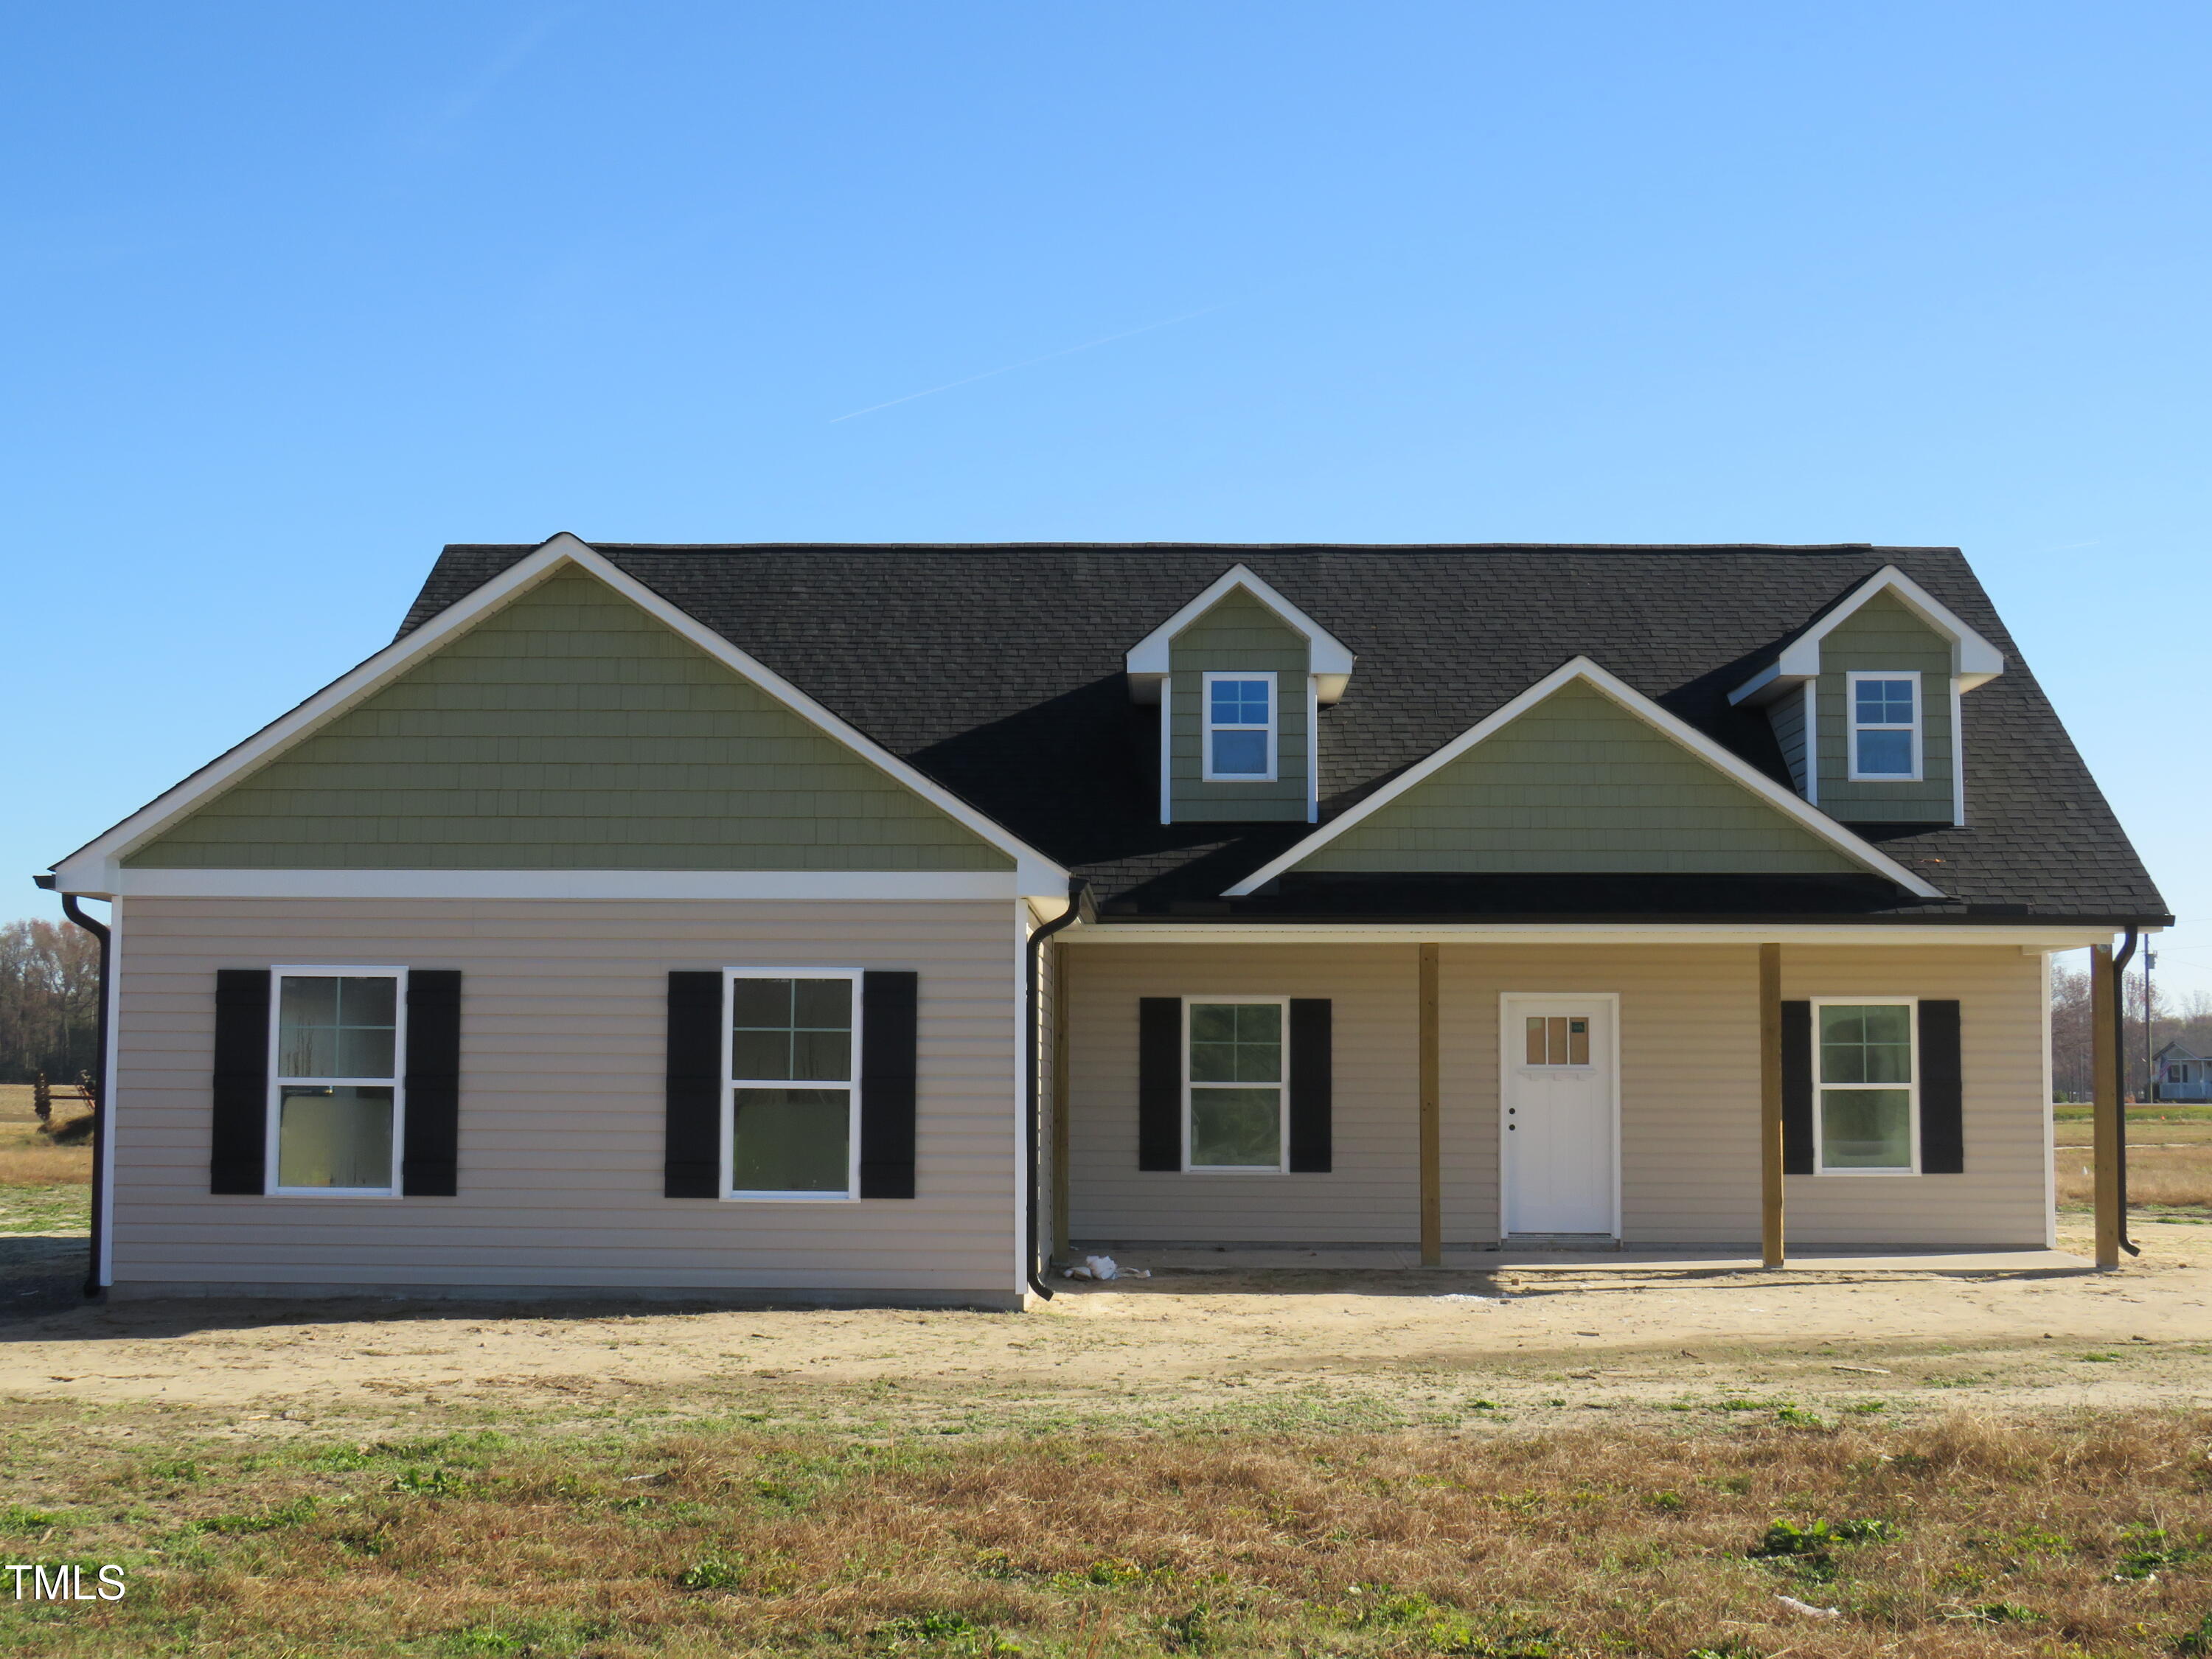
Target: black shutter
<point x="691" y="1149"/>
<point x="889" y="1030"/>
<point x="1798" y="1088"/>
<point x="1312" y="1086"/>
<point x="430" y="1157"/>
<point x="1943" y="1091"/>
<point x="239" y="1141"/>
<point x="1159" y="1083"/>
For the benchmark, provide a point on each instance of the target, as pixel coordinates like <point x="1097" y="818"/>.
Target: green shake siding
<point x="1579" y="784"/>
<point x="1237" y="633"/>
<point x="570" y="731"/>
<point x="1883" y="634"/>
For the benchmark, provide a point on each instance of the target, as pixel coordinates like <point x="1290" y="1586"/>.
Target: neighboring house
<point x="2179" y="1073"/>
<point x="845" y="923"/>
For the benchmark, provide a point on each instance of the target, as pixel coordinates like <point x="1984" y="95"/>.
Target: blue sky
<point x="297" y="294"/>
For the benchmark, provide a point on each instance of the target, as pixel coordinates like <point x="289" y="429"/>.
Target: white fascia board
<point x="872" y="886"/>
<point x="96" y="867"/>
<point x="1628" y="697"/>
<point x="1326" y="656"/>
<point x="2033" y="940"/>
<point x="1974" y="660"/>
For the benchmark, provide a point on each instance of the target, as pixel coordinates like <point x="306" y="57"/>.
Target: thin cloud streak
<point x="1026" y="362"/>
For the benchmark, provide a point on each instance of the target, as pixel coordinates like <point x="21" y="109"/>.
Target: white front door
<point x="1558" y="1102"/>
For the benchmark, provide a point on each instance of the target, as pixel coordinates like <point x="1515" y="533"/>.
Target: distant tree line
<point x="2185" y="1020"/>
<point x="49" y="1002"/>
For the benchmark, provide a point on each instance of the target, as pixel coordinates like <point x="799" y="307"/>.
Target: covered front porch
<point x="1677" y="1098"/>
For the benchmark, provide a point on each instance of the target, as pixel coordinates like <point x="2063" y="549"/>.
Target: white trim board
<point x="1327" y="658"/>
<point x="1974" y="660"/>
<point x="93" y="867"/>
<point x="873" y="886"/>
<point x="1635" y="702"/>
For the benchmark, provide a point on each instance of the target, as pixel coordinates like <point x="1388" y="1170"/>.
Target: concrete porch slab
<point x="1716" y="1258"/>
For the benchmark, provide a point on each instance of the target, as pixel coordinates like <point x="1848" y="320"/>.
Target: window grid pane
<point x="1236" y="1042"/>
<point x="1885" y="702"/>
<point x="1236" y="1128"/>
<point x="330" y="1025"/>
<point x="791" y="1140"/>
<point x="791" y="1030"/>
<point x="1240" y="702"/>
<point x="337" y="1137"/>
<point x="1557" y="1040"/>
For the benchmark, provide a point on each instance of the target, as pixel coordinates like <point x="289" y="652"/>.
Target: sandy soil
<point x="1185" y="1345"/>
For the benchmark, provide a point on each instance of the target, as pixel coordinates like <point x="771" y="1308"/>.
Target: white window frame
<point x="731" y="1085"/>
<point x="1206" y="727"/>
<point x="1282" y="1165"/>
<point x="1853" y="726"/>
<point x="397" y="1082"/>
<point x="1820" y="1085"/>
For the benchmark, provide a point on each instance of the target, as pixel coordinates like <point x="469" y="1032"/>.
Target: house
<point x="2180" y="1074"/>
<point x="867" y="922"/>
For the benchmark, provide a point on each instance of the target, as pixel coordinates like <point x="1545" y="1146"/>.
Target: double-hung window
<point x="1240" y="728"/>
<point x="791" y="1125"/>
<point x="335" y="1096"/>
<point x="1885" y="727"/>
<point x="1868" y="1093"/>
<point x="1236" y="1104"/>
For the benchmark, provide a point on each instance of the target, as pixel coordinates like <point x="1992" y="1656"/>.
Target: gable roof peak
<point x="1974" y="660"/>
<point x="1327" y="658"/>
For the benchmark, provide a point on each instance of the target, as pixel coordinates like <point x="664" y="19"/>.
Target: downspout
<point x="2120" y="1083"/>
<point x="100" y="1086"/>
<point x="1079" y="898"/>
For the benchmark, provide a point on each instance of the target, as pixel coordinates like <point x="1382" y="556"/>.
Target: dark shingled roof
<point x="997" y="669"/>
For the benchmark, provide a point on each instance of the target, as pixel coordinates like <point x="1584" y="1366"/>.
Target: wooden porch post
<point x="2105" y="1128"/>
<point x="1770" y="1104"/>
<point x="1432" y="1182"/>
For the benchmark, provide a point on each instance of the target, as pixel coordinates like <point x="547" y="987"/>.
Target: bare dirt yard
<point x="1541" y="1464"/>
<point x="1520" y="1463"/>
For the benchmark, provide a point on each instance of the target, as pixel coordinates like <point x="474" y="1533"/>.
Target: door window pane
<point x="791" y="1140"/>
<point x="1866" y="1128"/>
<point x="334" y="1137"/>
<point x="791" y="1030"/>
<point x="1238" y="1128"/>
<point x="1236" y="1042"/>
<point x="329" y="1026"/>
<point x="1869" y="1044"/>
<point x="1557" y="1040"/>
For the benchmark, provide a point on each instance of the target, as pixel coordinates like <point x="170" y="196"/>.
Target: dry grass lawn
<point x="2169" y="1160"/>
<point x="1961" y="1537"/>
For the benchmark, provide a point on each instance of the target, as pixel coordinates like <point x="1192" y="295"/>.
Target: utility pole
<point x="2150" y="1075"/>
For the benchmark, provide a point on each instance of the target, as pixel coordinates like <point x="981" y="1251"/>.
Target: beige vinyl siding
<point x="1237" y="632"/>
<point x="563" y="1049"/>
<point x="1883" y="634"/>
<point x="569" y="730"/>
<point x="2000" y="1199"/>
<point x="1373" y="1195"/>
<point x="1689" y="1094"/>
<point x="1578" y="783"/>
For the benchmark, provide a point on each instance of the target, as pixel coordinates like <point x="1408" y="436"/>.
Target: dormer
<point x="1240" y="674"/>
<point x="1867" y="704"/>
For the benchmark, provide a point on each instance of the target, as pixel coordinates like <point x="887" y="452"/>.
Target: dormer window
<point x="1240" y="728"/>
<point x="1885" y="727"/>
